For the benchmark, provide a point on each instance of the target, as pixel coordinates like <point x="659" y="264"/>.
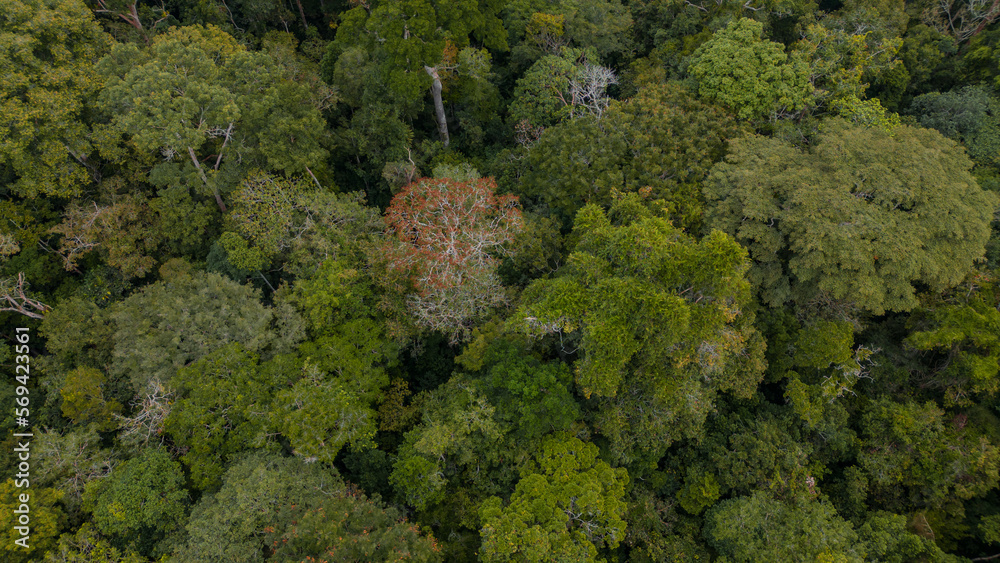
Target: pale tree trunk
<point x="982" y="25"/>
<point x="442" y="121"/>
<point x="204" y="178"/>
<point x="302" y="13"/>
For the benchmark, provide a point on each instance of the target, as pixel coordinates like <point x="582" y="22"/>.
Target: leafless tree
<point x="13" y="297"/>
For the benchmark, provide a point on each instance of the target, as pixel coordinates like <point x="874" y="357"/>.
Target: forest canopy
<point x="500" y="280"/>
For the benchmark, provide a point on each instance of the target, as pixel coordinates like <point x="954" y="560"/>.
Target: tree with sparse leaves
<point x="449" y="238"/>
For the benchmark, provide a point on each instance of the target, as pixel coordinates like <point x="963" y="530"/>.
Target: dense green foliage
<point x="501" y="280"/>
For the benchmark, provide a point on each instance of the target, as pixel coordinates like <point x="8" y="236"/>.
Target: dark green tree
<point x="914" y="456"/>
<point x="345" y="526"/>
<point x="230" y="524"/>
<point x="559" y="87"/>
<point x="141" y="501"/>
<point x="221" y="409"/>
<point x="211" y="108"/>
<point x="957" y="337"/>
<point x="415" y="42"/>
<point x="660" y="142"/>
<point x="970" y="116"/>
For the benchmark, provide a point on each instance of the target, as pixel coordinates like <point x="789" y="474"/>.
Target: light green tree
<point x="565" y="506"/>
<point x="849" y="50"/>
<point x="78" y="334"/>
<point x="46" y="519"/>
<point x="87" y="545"/>
<point x="751" y="76"/>
<point x="178" y="320"/>
<point x="888" y="538"/>
<point x="460" y="435"/>
<point x="661" y="321"/>
<point x="824" y="365"/>
<point x="760" y="528"/>
<point x="294" y="511"/>
<point x="84" y="400"/>
<point x="287" y="219"/>
<point x="544" y="27"/>
<point x="321" y="413"/>
<point x="861" y="218"/>
<point x="47" y="52"/>
<point x="69" y="461"/>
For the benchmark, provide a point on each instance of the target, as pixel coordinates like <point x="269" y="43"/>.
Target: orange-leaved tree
<point x="449" y="238"/>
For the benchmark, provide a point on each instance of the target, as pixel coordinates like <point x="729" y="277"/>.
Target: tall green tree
<point x="560" y="86"/>
<point x="345" y="526"/>
<point x="88" y="546"/>
<point x="536" y="27"/>
<point x="757" y="527"/>
<point x="862" y="217"/>
<point x="68" y="462"/>
<point x="914" y="456"/>
<point x="566" y="505"/>
<point x="181" y="319"/>
<point x="46" y="519"/>
<point x="330" y="402"/>
<point x="211" y="108"/>
<point x="661" y="141"/>
<point x="970" y="116"/>
<point x="229" y="525"/>
<point x="141" y="501"/>
<point x="221" y="409"/>
<point x="661" y="320"/>
<point x="294" y="511"/>
<point x="288" y="220"/>
<point x="459" y="434"/>
<point x="959" y="336"/>
<point x="414" y="42"/>
<point x="751" y="76"/>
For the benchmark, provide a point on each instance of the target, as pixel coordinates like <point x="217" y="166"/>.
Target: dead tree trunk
<point x="302" y="14"/>
<point x="204" y="178"/>
<point x="442" y="121"/>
